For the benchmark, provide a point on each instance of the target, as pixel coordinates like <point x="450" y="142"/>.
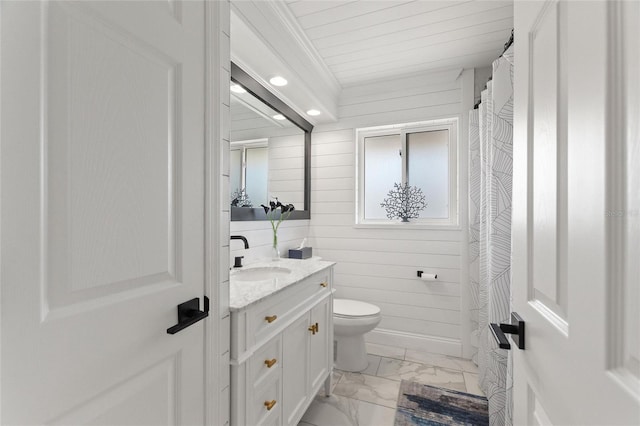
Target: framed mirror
<point x="270" y="153"/>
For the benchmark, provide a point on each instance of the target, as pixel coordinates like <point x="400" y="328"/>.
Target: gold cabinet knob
<point x="323" y="284"/>
<point x="270" y="362"/>
<point x="312" y="329"/>
<point x="270" y="404"/>
<point x="270" y="318"/>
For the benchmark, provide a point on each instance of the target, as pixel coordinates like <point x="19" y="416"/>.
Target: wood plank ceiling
<point x="369" y="40"/>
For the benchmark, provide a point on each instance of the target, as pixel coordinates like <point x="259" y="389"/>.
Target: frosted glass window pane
<point x="428" y="169"/>
<point x="382" y="167"/>
<point x="235" y="170"/>
<point x="256" y="174"/>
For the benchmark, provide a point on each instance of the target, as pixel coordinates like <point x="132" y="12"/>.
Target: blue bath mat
<point x="425" y="405"/>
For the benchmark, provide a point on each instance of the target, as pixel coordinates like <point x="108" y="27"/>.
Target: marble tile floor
<point x="369" y="398"/>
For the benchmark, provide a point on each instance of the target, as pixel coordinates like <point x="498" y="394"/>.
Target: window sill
<point x="408" y="226"/>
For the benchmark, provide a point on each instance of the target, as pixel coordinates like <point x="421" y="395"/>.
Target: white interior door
<point x="102" y="216"/>
<point x="576" y="231"/>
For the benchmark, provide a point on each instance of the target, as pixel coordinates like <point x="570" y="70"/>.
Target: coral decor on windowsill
<point x="404" y="202"/>
<point x="240" y="198"/>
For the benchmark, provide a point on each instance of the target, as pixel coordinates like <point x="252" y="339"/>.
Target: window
<point x="248" y="164"/>
<point x="421" y="154"/>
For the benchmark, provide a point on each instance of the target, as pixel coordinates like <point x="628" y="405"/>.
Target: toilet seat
<point x="346" y="308"/>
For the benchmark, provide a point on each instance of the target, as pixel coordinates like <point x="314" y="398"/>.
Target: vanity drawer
<point x="265" y="406"/>
<point x="268" y="317"/>
<point x="266" y="362"/>
<point x="321" y="281"/>
<point x="272" y="327"/>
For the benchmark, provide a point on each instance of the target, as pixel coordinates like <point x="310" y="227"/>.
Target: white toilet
<point x="351" y="320"/>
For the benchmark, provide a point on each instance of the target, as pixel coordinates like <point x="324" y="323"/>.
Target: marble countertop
<point x="245" y="293"/>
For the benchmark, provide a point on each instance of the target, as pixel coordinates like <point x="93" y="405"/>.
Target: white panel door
<point x="102" y="215"/>
<point x="576" y="214"/>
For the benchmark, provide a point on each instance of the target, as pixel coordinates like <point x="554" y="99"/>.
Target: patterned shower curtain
<point x="490" y="182"/>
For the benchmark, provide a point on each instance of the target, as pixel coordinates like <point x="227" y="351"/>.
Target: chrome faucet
<point x="237" y="261"/>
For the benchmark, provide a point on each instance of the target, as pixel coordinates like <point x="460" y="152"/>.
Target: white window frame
<point x="450" y="124"/>
<point x="242" y="146"/>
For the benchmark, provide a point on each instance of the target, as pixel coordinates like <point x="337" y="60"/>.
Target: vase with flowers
<point x="276" y="213"/>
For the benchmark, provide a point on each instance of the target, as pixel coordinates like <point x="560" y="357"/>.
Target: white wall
<point x="286" y="181"/>
<point x="218" y="133"/>
<point x="482" y="75"/>
<point x="260" y="237"/>
<point x="379" y="265"/>
<point x="286" y="170"/>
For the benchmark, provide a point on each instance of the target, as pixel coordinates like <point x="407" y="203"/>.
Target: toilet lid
<point x="354" y="308"/>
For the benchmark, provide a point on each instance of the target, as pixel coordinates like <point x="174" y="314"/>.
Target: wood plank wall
<point x="286" y="181"/>
<point x="286" y="170"/>
<point x="260" y="237"/>
<point x="379" y="265"/>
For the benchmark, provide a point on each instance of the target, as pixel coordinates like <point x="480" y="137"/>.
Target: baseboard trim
<point x="418" y="342"/>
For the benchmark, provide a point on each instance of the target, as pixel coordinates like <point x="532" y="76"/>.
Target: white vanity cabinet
<point x="306" y="360"/>
<point x="281" y="351"/>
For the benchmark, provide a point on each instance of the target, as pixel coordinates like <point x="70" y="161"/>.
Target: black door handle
<point x="516" y="328"/>
<point x="189" y="313"/>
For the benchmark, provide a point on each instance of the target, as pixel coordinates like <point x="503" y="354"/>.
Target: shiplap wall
<point x="286" y="181"/>
<point x="260" y="237"/>
<point x="286" y="170"/>
<point x="218" y="135"/>
<point x="378" y="265"/>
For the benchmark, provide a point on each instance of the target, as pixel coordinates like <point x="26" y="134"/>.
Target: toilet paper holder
<point x="421" y="272"/>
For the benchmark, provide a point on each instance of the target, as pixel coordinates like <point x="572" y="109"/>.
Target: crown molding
<point x="290" y="24"/>
<point x="264" y="42"/>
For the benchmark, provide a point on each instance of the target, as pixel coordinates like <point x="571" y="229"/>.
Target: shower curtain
<point x="490" y="179"/>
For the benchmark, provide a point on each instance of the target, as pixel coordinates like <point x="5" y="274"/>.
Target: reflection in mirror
<point x="270" y="151"/>
<point x="249" y="172"/>
<point x="267" y="154"/>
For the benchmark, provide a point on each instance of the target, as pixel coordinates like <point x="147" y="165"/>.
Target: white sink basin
<point x="260" y="273"/>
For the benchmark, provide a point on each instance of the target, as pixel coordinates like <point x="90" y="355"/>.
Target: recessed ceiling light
<point x="313" y="112"/>
<point x="279" y="117"/>
<point x="278" y="81"/>
<point x="236" y="88"/>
